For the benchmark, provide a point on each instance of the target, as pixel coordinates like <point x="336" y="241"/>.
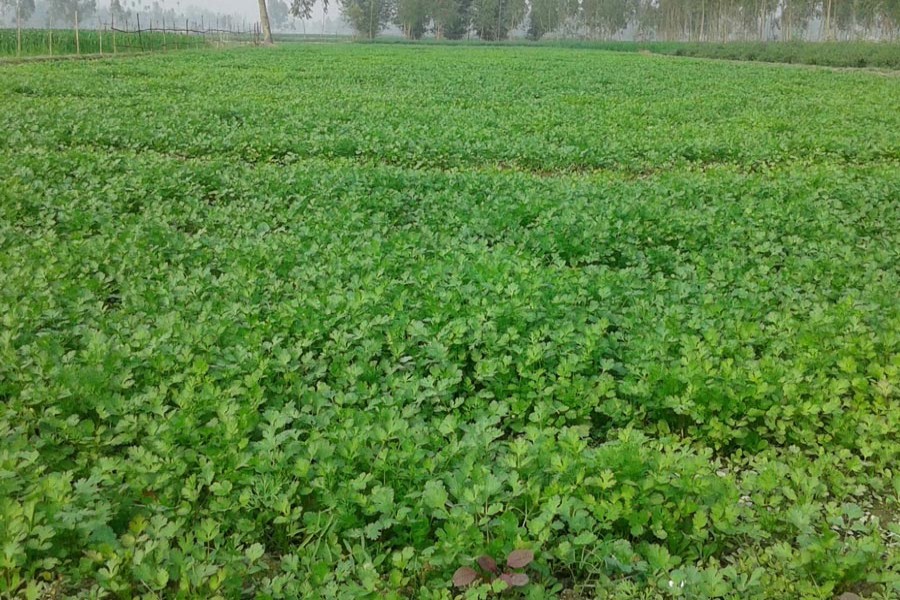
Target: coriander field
<point x="333" y="321"/>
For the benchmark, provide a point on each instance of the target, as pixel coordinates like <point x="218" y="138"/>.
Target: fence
<point x="131" y="36"/>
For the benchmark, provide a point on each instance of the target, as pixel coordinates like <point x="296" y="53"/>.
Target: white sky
<point x="245" y="8"/>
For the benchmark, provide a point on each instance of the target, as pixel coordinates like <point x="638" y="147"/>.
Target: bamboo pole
<point x="100" y="37"/>
<point x="77" y="40"/>
<point x="18" y="28"/>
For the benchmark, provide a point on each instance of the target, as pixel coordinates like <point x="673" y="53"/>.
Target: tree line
<point x="671" y="20"/>
<point x="683" y="20"/>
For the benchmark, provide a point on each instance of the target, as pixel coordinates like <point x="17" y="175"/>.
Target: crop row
<point x="832" y="54"/>
<point x="62" y="42"/>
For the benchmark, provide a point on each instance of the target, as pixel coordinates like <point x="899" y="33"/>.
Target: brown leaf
<point x="520" y="558"/>
<point x="464" y="576"/>
<point x="515" y="579"/>
<point x="488" y="564"/>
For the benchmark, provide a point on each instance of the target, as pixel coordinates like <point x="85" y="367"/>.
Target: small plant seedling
<point x="517" y="559"/>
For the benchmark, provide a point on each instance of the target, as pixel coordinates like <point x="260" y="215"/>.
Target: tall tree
<point x="264" y="23"/>
<point x="367" y="17"/>
<point x="412" y="16"/>
<point x="606" y="17"/>
<point x="794" y="18"/>
<point x="494" y="19"/>
<point x="303" y="8"/>
<point x="279" y="13"/>
<point x="890" y="18"/>
<point x="451" y="18"/>
<point x="544" y="16"/>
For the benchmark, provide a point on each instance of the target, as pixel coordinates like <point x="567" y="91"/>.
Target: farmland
<point x="843" y="54"/>
<point x="334" y="320"/>
<point x="46" y="42"/>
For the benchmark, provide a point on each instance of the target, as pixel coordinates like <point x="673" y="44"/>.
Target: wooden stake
<point x="77" y="41"/>
<point x="18" y="28"/>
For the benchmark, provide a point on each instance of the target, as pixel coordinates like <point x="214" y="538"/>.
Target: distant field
<point x="311" y="37"/>
<point x="38" y="42"/>
<point x="334" y="320"/>
<point x="831" y="54"/>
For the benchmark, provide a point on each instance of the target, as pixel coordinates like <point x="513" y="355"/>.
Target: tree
<point x="606" y="17"/>
<point x="795" y="17"/>
<point x="494" y="19"/>
<point x="264" y="22"/>
<point x="412" y="16"/>
<point x="279" y="13"/>
<point x="367" y="17"/>
<point x="303" y="8"/>
<point x="890" y="17"/>
<point x="545" y="16"/>
<point x="451" y="18"/>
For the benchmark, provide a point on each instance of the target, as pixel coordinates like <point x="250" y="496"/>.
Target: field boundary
<point x="114" y="38"/>
<point x="7" y="60"/>
<point x="22" y="60"/>
<point x="884" y="71"/>
<point x="819" y="54"/>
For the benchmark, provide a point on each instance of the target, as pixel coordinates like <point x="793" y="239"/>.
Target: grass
<point x="335" y="320"/>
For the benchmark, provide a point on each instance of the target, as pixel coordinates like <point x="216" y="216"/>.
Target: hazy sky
<point x="246" y="8"/>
